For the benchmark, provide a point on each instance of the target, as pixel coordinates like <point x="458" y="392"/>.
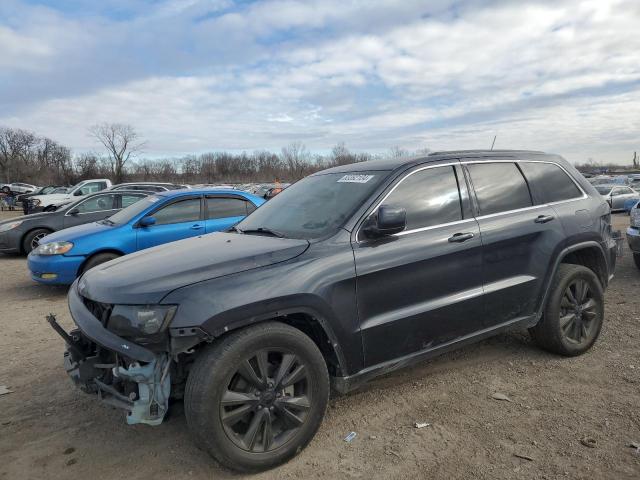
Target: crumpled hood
<point x="145" y="277"/>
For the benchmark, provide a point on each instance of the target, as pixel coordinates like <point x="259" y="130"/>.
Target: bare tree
<point x="296" y="158"/>
<point x="121" y="142"/>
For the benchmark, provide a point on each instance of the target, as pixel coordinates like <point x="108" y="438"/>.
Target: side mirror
<point x="388" y="221"/>
<point x="74" y="211"/>
<point x="77" y="193"/>
<point x="147" y="222"/>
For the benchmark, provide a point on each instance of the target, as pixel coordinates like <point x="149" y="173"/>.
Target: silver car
<point x="617" y="195"/>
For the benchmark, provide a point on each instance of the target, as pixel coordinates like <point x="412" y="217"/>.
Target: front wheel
<point x="98" y="259"/>
<point x="256" y="399"/>
<point x="574" y="313"/>
<point x="32" y="239"/>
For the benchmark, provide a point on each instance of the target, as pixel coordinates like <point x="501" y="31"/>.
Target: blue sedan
<point x="161" y="218"/>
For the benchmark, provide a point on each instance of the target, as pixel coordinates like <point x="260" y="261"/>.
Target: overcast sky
<point x="197" y="75"/>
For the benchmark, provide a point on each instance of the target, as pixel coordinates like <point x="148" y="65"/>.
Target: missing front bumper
<point x="140" y="388"/>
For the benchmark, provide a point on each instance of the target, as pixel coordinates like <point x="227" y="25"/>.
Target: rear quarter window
<point x="549" y="183"/>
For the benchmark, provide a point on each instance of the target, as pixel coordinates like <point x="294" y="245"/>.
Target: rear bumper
<point x="633" y="239"/>
<point x="54" y="269"/>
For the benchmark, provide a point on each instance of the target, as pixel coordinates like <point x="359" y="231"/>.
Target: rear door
<point x="222" y="212"/>
<point x="174" y="221"/>
<point x="422" y="287"/>
<point x="519" y="239"/>
<point x="92" y="209"/>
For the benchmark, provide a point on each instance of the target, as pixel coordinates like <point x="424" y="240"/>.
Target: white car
<point x="51" y="201"/>
<point x="18" y="187"/>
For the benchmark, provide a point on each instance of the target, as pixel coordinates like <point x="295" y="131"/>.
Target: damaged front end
<point x="122" y="373"/>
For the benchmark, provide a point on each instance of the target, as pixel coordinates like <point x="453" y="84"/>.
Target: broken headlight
<point x="132" y="320"/>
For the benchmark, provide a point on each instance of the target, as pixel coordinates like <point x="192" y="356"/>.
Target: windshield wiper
<point x="262" y="230"/>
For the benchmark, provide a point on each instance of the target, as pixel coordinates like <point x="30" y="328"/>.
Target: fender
<point x="563" y="253"/>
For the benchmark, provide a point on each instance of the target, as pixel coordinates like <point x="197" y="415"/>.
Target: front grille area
<point x="101" y="311"/>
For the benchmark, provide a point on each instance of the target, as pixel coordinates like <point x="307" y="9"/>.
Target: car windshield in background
<point x="603" y="190"/>
<point x="126" y="214"/>
<point x="315" y="206"/>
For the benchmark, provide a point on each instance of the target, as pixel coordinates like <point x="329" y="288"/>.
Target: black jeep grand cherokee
<point x="349" y="273"/>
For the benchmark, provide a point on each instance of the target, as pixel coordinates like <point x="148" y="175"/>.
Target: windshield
<point x="127" y="214"/>
<point x="315" y="206"/>
<point x="603" y="190"/>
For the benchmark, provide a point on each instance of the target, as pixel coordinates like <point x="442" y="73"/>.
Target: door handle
<point x="196" y="227"/>
<point x="544" y="218"/>
<point x="461" y="237"/>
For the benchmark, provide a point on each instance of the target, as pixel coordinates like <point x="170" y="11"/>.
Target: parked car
<point x="22" y="234"/>
<point x="349" y="273"/>
<point x="633" y="233"/>
<point x="147" y="186"/>
<point x="19" y="187"/>
<point x="617" y="195"/>
<point x="39" y="191"/>
<point x="49" y="202"/>
<point x="161" y="218"/>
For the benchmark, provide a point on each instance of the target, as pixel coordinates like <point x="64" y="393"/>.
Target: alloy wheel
<point x="35" y="241"/>
<point x="267" y="400"/>
<point x="578" y="311"/>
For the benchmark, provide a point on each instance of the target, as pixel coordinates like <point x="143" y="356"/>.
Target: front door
<point x="178" y="220"/>
<point x="422" y="287"/>
<point x="90" y="210"/>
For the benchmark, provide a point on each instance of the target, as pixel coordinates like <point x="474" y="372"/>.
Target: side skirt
<point x="344" y="385"/>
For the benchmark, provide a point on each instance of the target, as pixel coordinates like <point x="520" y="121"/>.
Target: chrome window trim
<point x="480" y="217"/>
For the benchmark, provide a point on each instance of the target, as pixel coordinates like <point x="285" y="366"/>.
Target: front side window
<point x="90" y="188"/>
<point x="97" y="204"/>
<point x="179" y="212"/>
<point x="225" y="207"/>
<point x="429" y="196"/>
<point x="550" y="182"/>
<point x="129" y="199"/>
<point x="499" y="187"/>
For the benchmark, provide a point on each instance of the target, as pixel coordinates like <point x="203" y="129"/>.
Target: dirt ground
<point x="50" y="430"/>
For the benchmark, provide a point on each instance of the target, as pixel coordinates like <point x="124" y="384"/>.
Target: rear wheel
<point x="636" y="259"/>
<point x="574" y="312"/>
<point x="257" y="398"/>
<point x="31" y="239"/>
<point x="98" y="259"/>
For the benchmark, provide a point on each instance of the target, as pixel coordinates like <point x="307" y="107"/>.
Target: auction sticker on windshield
<point x="356" y="178"/>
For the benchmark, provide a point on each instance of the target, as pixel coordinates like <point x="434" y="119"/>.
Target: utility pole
<point x="635" y="160"/>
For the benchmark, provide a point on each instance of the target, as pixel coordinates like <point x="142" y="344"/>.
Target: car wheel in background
<point x="31" y="239"/>
<point x="636" y="259"/>
<point x="574" y="313"/>
<point x="256" y="398"/>
<point x="97" y="259"/>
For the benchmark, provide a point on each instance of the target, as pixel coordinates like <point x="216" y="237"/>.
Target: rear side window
<point x="129" y="199"/>
<point x="179" y="212"/>
<point x="499" y="187"/>
<point x="429" y="196"/>
<point x="549" y="182"/>
<point x="218" y="207"/>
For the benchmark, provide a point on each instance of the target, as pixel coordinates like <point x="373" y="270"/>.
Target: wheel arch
<point x="98" y="252"/>
<point x="24" y="236"/>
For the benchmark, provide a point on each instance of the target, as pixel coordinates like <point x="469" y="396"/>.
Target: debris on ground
<point x="524" y="457"/>
<point x="4" y="390"/>
<point x="388" y="451"/>
<point x="501" y="396"/>
<point x="421" y="425"/>
<point x="72" y="461"/>
<point x="350" y="437"/>
<point x="69" y="451"/>
<point x="636" y="446"/>
<point x="588" y="442"/>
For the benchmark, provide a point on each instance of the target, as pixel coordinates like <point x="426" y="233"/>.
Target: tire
<point x="571" y="328"/>
<point x="216" y="373"/>
<point x="97" y="259"/>
<point x="636" y="259"/>
<point x="29" y="242"/>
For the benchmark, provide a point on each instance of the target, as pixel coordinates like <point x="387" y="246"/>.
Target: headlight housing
<point x="53" y="248"/>
<point x="635" y="217"/>
<point x="134" y="320"/>
<point x="5" y="227"/>
<point x="34" y="202"/>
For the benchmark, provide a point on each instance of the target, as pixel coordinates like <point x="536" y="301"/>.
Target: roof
<point x="394" y="163"/>
<point x="207" y="191"/>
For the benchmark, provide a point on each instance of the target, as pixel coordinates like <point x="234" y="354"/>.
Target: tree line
<point x="30" y="158"/>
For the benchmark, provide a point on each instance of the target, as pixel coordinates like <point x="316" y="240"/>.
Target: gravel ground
<point x="50" y="430"/>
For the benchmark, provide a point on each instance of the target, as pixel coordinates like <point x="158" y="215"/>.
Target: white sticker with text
<point x="355" y="178"/>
